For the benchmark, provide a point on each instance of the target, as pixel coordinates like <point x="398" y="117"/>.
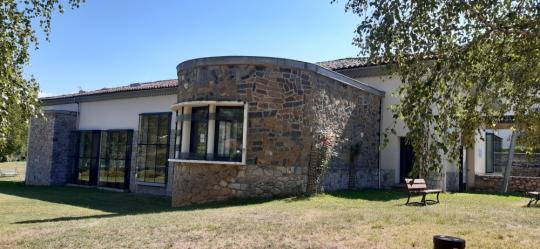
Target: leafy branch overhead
<point x="18" y="95"/>
<point x="464" y="66"/>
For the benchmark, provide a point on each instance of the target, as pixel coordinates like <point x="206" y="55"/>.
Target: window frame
<point x="156" y="145"/>
<point x="216" y="134"/>
<point x="183" y="131"/>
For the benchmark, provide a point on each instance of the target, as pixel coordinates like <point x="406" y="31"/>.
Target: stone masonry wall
<point x="493" y="183"/>
<point x="198" y="184"/>
<point x="50" y="148"/>
<point x="354" y="117"/>
<point x="285" y="106"/>
<point x="64" y="147"/>
<point x="522" y="165"/>
<point x="38" y="161"/>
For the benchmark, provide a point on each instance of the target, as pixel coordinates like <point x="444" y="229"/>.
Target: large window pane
<point x="152" y="129"/>
<point x="152" y="153"/>
<point x="163" y="132"/>
<point x="113" y="158"/>
<point x="199" y="132"/>
<point x="141" y="162"/>
<point x="229" y="132"/>
<point x="88" y="153"/>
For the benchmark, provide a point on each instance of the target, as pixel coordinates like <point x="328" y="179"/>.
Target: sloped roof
<point x="333" y="65"/>
<point x="128" y="88"/>
<point x="345" y="63"/>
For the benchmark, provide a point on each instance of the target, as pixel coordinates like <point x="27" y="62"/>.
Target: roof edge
<point x="110" y="96"/>
<point x="261" y="60"/>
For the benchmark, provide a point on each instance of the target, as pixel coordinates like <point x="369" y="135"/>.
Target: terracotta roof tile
<point x="131" y="87"/>
<point x="345" y="63"/>
<point x="339" y="64"/>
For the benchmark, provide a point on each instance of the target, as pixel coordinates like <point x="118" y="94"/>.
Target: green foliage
<point x="463" y="64"/>
<point x="19" y="96"/>
<point x="16" y="137"/>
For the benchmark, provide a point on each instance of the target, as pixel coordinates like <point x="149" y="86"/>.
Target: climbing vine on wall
<point x="322" y="151"/>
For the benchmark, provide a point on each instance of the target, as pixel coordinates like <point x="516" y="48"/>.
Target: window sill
<point x="152" y="184"/>
<point x="205" y="162"/>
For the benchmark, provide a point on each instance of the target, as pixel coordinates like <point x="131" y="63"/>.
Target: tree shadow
<point x="370" y="194"/>
<point x="113" y="203"/>
<point x="509" y="194"/>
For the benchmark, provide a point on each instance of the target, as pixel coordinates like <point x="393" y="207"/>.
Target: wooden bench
<point x="535" y="197"/>
<point x="8" y="172"/>
<point x="419" y="187"/>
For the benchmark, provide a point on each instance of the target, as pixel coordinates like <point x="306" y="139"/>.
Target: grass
<point x="69" y="217"/>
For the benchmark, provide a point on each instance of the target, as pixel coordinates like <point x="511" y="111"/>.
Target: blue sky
<point x="112" y="43"/>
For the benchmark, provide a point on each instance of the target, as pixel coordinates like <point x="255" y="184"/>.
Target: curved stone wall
<point x="287" y="100"/>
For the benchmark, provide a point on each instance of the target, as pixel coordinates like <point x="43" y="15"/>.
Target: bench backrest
<point x="415" y="184"/>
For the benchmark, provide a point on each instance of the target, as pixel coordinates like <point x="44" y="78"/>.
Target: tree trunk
<point x="508" y="169"/>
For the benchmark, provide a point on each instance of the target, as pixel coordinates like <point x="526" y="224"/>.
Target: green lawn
<point x="69" y="217"/>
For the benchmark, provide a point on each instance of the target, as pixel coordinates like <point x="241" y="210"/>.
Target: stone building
<point x="227" y="127"/>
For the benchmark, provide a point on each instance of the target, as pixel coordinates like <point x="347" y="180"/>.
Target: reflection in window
<point x="229" y="132"/>
<point x="114" y="158"/>
<point x="152" y="148"/>
<point x="88" y="153"/>
<point x="199" y="133"/>
<point x="211" y="132"/>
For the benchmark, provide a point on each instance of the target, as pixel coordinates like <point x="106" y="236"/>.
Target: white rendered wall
<point x="389" y="158"/>
<point x="480" y="153"/>
<point x="118" y="113"/>
<point x="122" y="113"/>
<point x="390" y="154"/>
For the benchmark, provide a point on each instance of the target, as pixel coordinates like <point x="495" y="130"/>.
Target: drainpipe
<point x="379" y="149"/>
<point x="78" y="116"/>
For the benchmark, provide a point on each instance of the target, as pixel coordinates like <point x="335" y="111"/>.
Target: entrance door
<point x="114" y="158"/>
<point x="87" y="157"/>
<point x="406" y="159"/>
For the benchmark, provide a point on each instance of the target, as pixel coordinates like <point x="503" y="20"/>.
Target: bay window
<point x="211" y="131"/>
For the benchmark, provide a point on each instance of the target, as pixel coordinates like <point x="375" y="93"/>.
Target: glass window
<point x="152" y="148"/>
<point x="229" y="133"/>
<point x="87" y="161"/>
<point x="199" y="133"/>
<point x="114" y="156"/>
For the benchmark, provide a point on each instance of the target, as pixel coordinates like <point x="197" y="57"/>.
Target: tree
<point x="18" y="95"/>
<point x="463" y="65"/>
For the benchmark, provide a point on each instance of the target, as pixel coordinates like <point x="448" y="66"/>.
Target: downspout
<point x="379" y="149"/>
<point x="78" y="116"/>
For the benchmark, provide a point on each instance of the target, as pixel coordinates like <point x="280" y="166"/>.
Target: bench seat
<point x="419" y="187"/>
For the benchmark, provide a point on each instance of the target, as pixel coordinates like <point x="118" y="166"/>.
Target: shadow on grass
<point x="509" y="194"/>
<point x="371" y="194"/>
<point x="114" y="203"/>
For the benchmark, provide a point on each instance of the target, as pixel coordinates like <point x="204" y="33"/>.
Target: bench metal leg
<point x="438" y="197"/>
<point x="534" y="199"/>
<point x="424" y="199"/>
<point x="408" y="199"/>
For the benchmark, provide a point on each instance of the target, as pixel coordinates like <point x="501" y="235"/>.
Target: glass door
<point x="87" y="157"/>
<point x="115" y="158"/>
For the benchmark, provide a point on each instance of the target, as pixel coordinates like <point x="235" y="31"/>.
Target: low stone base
<point x="197" y="183"/>
<point x="493" y="183"/>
